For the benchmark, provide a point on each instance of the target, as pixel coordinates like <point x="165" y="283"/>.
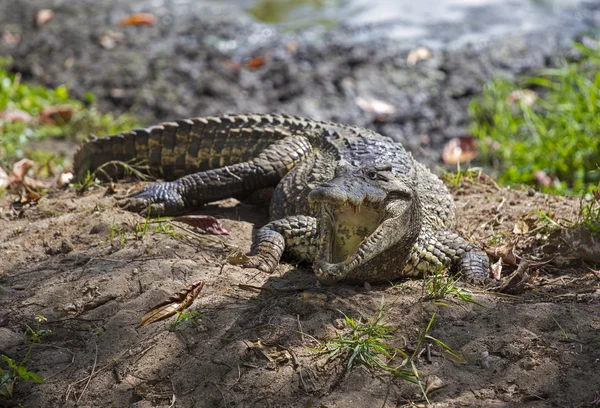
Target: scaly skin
<point x="351" y="201"/>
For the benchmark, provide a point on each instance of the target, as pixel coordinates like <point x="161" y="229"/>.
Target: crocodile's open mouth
<point x="346" y="227"/>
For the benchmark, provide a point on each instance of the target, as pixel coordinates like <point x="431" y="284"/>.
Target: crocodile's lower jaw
<point x="347" y="227"/>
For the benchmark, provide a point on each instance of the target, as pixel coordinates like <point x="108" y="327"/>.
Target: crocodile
<point x="350" y="201"/>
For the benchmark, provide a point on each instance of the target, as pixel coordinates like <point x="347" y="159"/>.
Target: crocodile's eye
<point x="372" y="175"/>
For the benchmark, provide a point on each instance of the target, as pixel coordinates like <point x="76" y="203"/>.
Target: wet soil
<point x="79" y="262"/>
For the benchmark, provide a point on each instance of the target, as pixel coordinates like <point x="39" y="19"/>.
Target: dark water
<point x="432" y="22"/>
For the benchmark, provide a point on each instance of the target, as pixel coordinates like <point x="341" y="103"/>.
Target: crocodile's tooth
<point x="348" y="260"/>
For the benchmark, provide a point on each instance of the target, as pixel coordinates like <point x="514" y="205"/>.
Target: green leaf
<point x="36" y="377"/>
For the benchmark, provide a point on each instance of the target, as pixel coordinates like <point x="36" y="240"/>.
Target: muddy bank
<point x="87" y="267"/>
<point x="202" y="59"/>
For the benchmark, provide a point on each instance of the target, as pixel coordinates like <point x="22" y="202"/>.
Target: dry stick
<point x="68" y="365"/>
<point x="91" y="374"/>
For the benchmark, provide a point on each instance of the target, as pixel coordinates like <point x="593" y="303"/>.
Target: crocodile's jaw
<point x="350" y="235"/>
<point x="349" y="226"/>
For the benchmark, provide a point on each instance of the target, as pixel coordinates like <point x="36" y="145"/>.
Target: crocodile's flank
<point x="348" y="200"/>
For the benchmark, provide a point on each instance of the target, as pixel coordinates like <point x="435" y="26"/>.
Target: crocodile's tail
<point x="173" y="149"/>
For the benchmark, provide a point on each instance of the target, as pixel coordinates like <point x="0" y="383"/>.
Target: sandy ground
<point x="79" y="262"/>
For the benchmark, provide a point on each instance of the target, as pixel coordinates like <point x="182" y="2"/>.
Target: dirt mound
<point x="93" y="270"/>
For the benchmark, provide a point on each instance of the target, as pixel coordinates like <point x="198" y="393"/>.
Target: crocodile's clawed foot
<point x="155" y="200"/>
<point x="261" y="263"/>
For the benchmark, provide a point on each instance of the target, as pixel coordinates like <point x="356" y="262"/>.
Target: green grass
<point x="16" y="136"/>
<point x="558" y="133"/>
<point x="367" y="343"/>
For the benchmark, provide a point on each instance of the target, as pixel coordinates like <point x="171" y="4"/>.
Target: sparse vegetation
<point x="439" y="285"/>
<point x="182" y="318"/>
<point x="544" y="130"/>
<point x="368" y="344"/>
<point x="24" y="120"/>
<point x="14" y="370"/>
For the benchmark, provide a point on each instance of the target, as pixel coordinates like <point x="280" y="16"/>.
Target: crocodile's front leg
<point x="266" y="170"/>
<point x="297" y="235"/>
<point x="441" y="249"/>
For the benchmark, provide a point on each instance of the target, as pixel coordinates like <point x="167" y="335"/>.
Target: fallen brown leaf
<point x="206" y="223"/>
<point x="176" y="303"/>
<point x="256" y="62"/>
<point x="459" y="150"/>
<point x="517" y="282"/>
<point x="520" y="228"/>
<point x="43" y="16"/>
<point x="21" y="168"/>
<point x="433" y="383"/>
<point x="51" y="115"/>
<point x="139" y="19"/>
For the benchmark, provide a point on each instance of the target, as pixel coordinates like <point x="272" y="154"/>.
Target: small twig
<point x="91" y="374"/>
<point x="300" y="329"/>
<point x="501" y="204"/>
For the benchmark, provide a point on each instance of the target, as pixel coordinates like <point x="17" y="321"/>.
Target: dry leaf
<point x="459" y="150"/>
<point x="520" y="228"/>
<point x="64" y="179"/>
<point x="15" y="115"/>
<point x="528" y="97"/>
<point x="433" y="383"/>
<point x="206" y="223"/>
<point x="418" y="54"/>
<point x="176" y="303"/>
<point x="375" y="106"/>
<point x="238" y="258"/>
<point x="454" y="357"/>
<point x="140" y="19"/>
<point x="21" y="168"/>
<point x="10" y="38"/>
<point x="517" y="282"/>
<point x="506" y="253"/>
<point x="542" y="178"/>
<point x="51" y="115"/>
<point x="43" y="16"/>
<point x="497" y="269"/>
<point x="110" y="38"/>
<point x="34" y="184"/>
<point x="256" y="62"/>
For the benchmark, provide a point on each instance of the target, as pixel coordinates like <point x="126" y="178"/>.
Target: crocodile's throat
<point x="349" y="226"/>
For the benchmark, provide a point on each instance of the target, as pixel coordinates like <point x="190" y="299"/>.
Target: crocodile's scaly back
<point x="353" y="202"/>
<point x="174" y="149"/>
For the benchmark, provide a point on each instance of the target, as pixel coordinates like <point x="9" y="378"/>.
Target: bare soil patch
<point x="79" y="262"/>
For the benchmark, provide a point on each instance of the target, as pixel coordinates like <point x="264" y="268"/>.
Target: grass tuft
<point x="544" y="129"/>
